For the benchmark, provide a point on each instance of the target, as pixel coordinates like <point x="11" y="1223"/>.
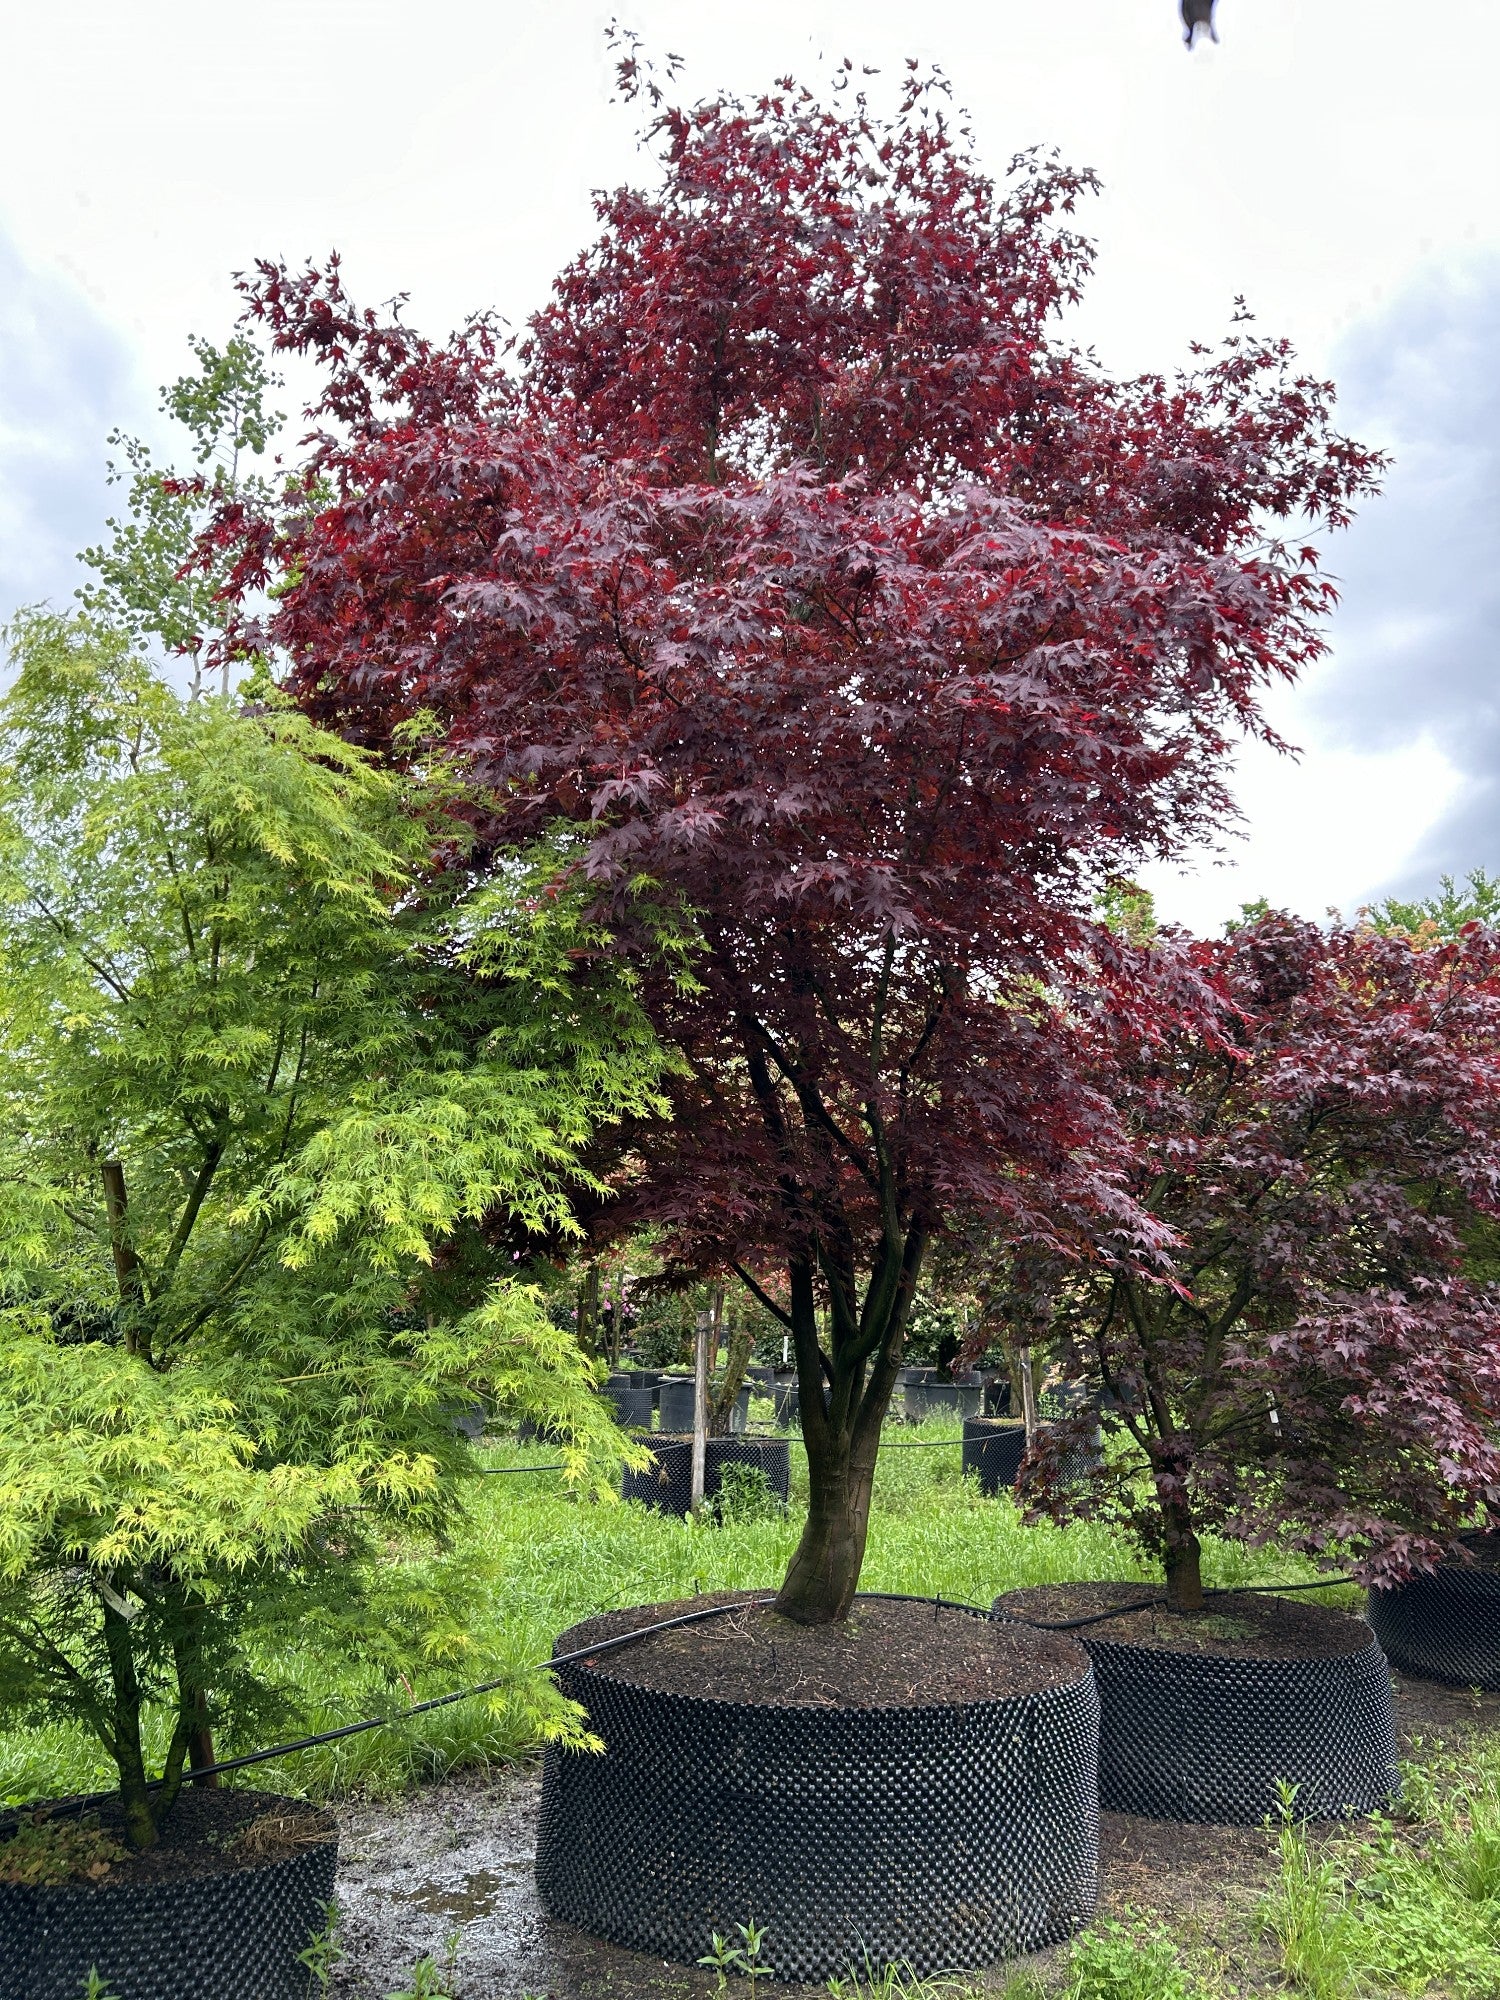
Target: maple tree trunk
<point x="125" y="1723"/>
<point x="736" y="1363"/>
<point x="201" y="1746"/>
<point x="843" y="1406"/>
<point x="588" y="1310"/>
<point x="1183" y="1560"/>
<point x="128" y="1275"/>
<point x="819" y="1586"/>
<point x="841" y="1430"/>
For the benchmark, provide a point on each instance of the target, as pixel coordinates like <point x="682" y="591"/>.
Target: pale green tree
<point x="268" y="1076"/>
<point x="151" y="578"/>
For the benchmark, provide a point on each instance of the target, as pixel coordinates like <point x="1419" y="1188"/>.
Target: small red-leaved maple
<point x="805" y="571"/>
<point x="1327" y="1369"/>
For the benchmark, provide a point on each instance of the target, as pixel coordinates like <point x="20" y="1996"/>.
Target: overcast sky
<point x="1336" y="161"/>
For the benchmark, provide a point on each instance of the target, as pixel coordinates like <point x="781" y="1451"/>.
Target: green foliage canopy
<point x="265" y="1074"/>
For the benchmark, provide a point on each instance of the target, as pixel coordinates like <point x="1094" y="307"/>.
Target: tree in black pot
<point x="867" y="625"/>
<point x="1317" y="1372"/>
<point x="254" y="1078"/>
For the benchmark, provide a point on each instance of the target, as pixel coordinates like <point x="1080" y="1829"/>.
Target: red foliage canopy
<point x="813" y="579"/>
<point x="1328" y="1369"/>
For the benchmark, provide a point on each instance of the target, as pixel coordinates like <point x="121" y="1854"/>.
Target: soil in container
<point x="1202" y="1715"/>
<point x="221" y="1907"/>
<point x="917" y="1784"/>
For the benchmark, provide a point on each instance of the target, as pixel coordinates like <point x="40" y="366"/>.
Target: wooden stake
<point x="1028" y="1394"/>
<point x="700" y="1413"/>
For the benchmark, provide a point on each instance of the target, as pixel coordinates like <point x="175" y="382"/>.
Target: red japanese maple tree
<point x="798" y="566"/>
<point x="1324" y="1367"/>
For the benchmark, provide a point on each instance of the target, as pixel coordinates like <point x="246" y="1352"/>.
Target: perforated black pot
<point x="1079" y="1460"/>
<point x="226" y="1936"/>
<point x="993" y="1450"/>
<point x="675" y="1406"/>
<point x="1194" y="1736"/>
<point x="468" y="1418"/>
<point x="667" y="1485"/>
<point x="936" y="1837"/>
<point x="1445" y="1626"/>
<point x="632" y="1405"/>
<point x="533" y="1433"/>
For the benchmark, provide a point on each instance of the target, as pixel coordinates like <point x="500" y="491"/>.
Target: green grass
<point x="1130" y="1960"/>
<point x="1409" y="1906"/>
<point x="546" y="1560"/>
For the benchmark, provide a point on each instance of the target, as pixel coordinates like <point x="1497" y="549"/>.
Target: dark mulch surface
<point x="885" y="1655"/>
<point x="1483" y="1550"/>
<point x="213" y="1832"/>
<point x="1425" y="1709"/>
<point x="1244" y="1626"/>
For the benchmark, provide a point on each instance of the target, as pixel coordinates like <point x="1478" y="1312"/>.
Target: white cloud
<point x="1322" y="831"/>
<point x="64" y="377"/>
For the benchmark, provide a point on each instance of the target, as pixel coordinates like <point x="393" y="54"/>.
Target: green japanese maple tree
<point x="269" y="1077"/>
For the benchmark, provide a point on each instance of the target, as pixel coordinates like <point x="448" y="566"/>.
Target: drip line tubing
<point x="11" y="1814"/>
<point x="895" y="1444"/>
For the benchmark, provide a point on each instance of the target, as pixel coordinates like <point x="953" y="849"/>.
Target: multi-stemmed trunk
<point x="844" y="1393"/>
<point x="841" y="1430"/>
<point x="820" y="1584"/>
<point x="145" y="1803"/>
<point x="1168" y="1444"/>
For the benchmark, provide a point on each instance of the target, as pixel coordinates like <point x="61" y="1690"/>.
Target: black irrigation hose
<point x="10" y="1817"/>
<point x="914" y="1444"/>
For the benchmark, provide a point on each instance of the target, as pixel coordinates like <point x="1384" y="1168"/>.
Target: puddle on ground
<point x="450" y="1868"/>
<point x="476" y="1896"/>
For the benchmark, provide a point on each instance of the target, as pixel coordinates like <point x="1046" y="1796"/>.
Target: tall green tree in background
<point x="265" y="1071"/>
<point x="1444" y="913"/>
<point x="148" y="579"/>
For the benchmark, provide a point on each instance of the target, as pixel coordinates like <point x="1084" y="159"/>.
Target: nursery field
<point x="535" y="1560"/>
<point x="1410" y="1906"/>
